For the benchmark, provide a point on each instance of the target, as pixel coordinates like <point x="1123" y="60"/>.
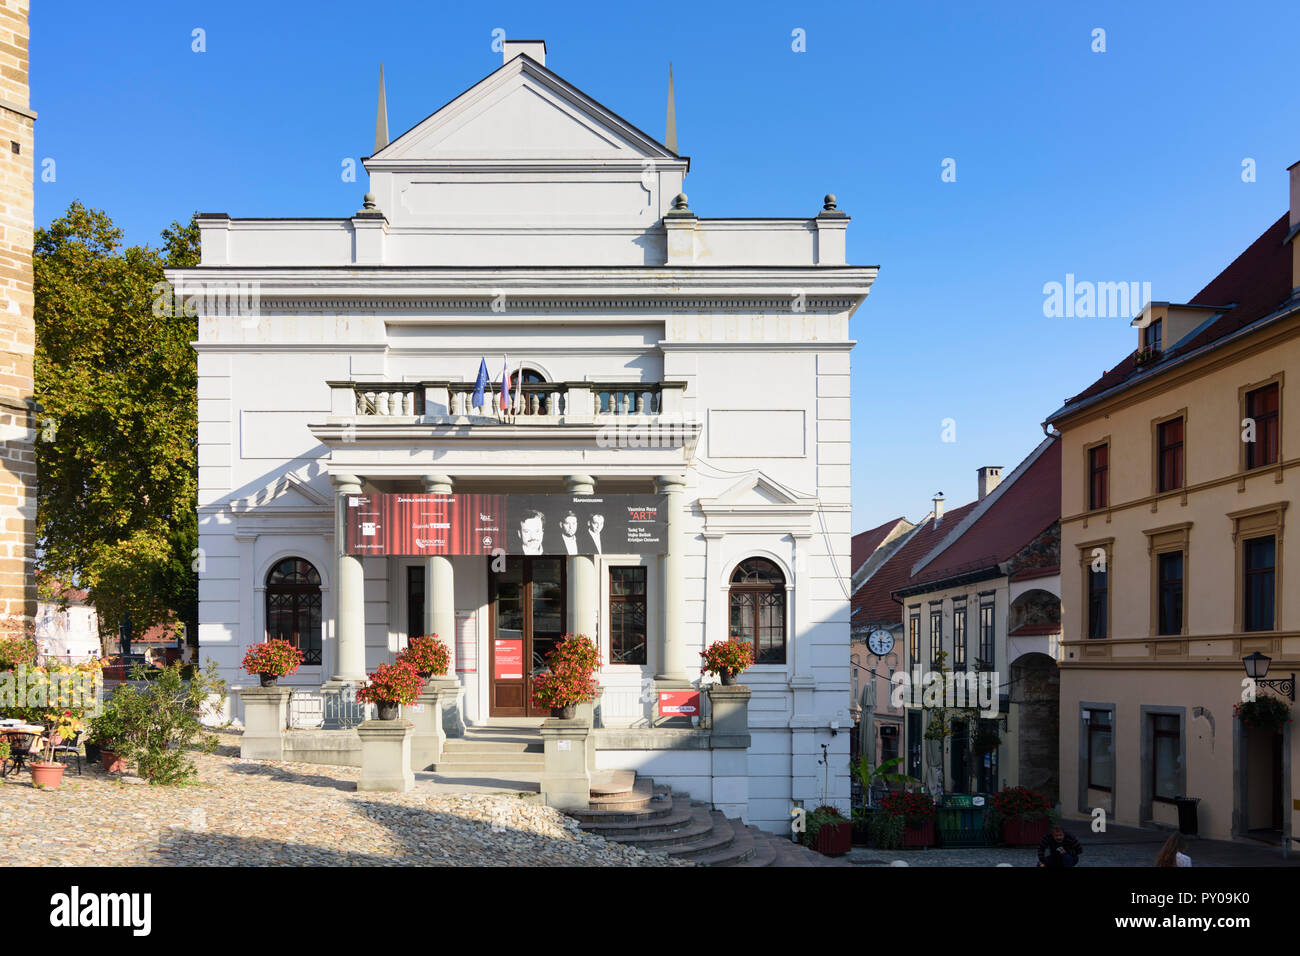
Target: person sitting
<point x="1171" y="854"/>
<point x="1058" y="849"/>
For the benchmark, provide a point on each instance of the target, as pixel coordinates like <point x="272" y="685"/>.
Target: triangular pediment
<point x="289" y="492"/>
<point x="522" y="112"/>
<point x="757" y="489"/>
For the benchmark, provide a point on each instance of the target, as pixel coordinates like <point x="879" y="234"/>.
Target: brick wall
<point x="18" y="424"/>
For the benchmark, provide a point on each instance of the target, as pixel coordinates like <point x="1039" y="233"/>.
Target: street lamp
<point x="1256" y="665"/>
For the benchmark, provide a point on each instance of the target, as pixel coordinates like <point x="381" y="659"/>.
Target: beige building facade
<point x="17" y="332"/>
<point x="1179" y="472"/>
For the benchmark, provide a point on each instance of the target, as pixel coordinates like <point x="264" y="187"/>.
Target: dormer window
<point x="1152" y="336"/>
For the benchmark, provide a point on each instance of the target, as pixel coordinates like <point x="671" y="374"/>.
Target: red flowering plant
<point x="1267" y="713"/>
<point x="914" y="808"/>
<point x="397" y="683"/>
<point x="568" y="678"/>
<point x="427" y="655"/>
<point x="276" y="658"/>
<point x="1021" y="803"/>
<point x="731" y="656"/>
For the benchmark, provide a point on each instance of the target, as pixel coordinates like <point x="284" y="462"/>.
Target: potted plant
<point x="428" y="655"/>
<point x="827" y="831"/>
<point x="272" y="660"/>
<point x="390" y="687"/>
<point x="917" y="813"/>
<point x="568" y="680"/>
<point x="886" y="774"/>
<point x="887" y="830"/>
<point x="727" y="659"/>
<point x="1023" y="816"/>
<point x="861" y="820"/>
<point x="60" y="726"/>
<point x="1267" y="713"/>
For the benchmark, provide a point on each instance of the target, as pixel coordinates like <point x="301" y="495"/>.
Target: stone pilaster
<point x="583" y="589"/>
<point x="386" y="756"/>
<point x="266" y="715"/>
<point x="566" y="781"/>
<point x="439" y="581"/>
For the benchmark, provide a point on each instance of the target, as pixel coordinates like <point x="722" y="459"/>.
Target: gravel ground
<point x="260" y="813"/>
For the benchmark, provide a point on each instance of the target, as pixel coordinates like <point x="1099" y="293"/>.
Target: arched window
<point x="293" y="607"/>
<point x="757" y="602"/>
<point x="536" y="399"/>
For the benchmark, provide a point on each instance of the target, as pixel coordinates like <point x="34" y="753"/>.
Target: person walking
<point x="1058" y="850"/>
<point x="1171" y="854"/>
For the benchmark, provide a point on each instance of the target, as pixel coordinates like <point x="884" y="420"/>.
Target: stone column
<point x="672" y="650"/>
<point x="266" y="714"/>
<point x="566" y="782"/>
<point x="584" y="593"/>
<point x="350" y="598"/>
<point x="386" y="756"/>
<point x="440" y="618"/>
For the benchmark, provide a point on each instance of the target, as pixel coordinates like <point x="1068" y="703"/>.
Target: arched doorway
<point x="1036" y="688"/>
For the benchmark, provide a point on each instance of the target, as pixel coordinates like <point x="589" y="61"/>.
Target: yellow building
<point x="1179" y="470"/>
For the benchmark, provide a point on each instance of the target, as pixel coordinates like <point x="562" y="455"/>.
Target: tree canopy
<point x="116" y="447"/>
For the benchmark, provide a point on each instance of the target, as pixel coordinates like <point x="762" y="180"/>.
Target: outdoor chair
<point x="71" y="749"/>
<point x="20" y="745"/>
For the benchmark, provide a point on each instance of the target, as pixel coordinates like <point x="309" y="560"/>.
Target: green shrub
<point x="154" y="726"/>
<point x="887" y="830"/>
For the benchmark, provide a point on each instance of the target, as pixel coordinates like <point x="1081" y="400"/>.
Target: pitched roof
<point x="866" y="542"/>
<point x="873" y="603"/>
<point x="1254" y="285"/>
<point x="1027" y="503"/>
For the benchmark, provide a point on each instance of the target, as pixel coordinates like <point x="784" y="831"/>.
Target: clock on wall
<point x="880" y="642"/>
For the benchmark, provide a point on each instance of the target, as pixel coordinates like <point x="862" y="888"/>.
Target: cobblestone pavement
<point x="261" y="813"/>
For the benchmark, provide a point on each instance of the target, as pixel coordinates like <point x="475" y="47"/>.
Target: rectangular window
<point x="1100" y="754"/>
<point x="1262" y="408"/>
<point x="959" y="635"/>
<point x="415" y="601"/>
<point x="1098" y="595"/>
<point x="936" y="635"/>
<point x="985" y="659"/>
<point x="1170" y="574"/>
<point x="914" y="638"/>
<point x="1169" y="438"/>
<point x="1260" y="561"/>
<point x="1164" y="753"/>
<point x="1098" y="477"/>
<point x="627" y="615"/>
<point x="1152" y="335"/>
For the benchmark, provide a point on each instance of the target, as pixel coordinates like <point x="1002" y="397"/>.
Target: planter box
<point x="918" y="837"/>
<point x="862" y="829"/>
<point x="112" y="762"/>
<point x="834" y="839"/>
<point x="1025" y="832"/>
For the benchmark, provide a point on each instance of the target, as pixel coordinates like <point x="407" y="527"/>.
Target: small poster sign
<point x="683" y="702"/>
<point x="509" y="660"/>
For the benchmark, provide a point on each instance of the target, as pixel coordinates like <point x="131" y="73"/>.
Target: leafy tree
<point x="116" y="378"/>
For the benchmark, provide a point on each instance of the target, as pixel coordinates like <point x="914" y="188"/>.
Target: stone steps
<point x="658" y="821"/>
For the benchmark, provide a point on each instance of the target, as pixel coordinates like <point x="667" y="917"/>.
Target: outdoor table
<point x="14" y="734"/>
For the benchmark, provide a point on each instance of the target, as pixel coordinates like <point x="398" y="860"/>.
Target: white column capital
<point x="670" y="484"/>
<point x="436" y="484"/>
<point x="580" y="484"/>
<point x="346" y="484"/>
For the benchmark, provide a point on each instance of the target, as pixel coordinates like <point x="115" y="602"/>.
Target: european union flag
<point x="480" y="384"/>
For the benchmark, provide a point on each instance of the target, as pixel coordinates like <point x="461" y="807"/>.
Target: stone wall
<point x="18" y="423"/>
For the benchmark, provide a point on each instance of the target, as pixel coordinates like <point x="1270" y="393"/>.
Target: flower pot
<point x="834" y="839"/>
<point x="111" y="762"/>
<point x="728" y="678"/>
<point x="47" y="775"/>
<point x="425" y="675"/>
<point x="388" y="711"/>
<point x="1017" y="832"/>
<point x="92" y="752"/>
<point x="268" y="680"/>
<point x="862" y="827"/>
<point x="917" y="837"/>
<point x="567" y="712"/>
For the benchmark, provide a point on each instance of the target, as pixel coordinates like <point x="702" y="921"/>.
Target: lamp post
<point x="1256" y="665"/>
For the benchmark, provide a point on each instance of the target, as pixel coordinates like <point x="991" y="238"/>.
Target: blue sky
<point x="1123" y="165"/>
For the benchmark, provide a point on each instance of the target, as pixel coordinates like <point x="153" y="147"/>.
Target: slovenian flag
<point x="505" y="385"/>
<point x="480" y="384"/>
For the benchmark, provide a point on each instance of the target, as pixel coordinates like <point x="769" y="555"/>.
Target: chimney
<point x="990" y="476"/>
<point x="535" y="49"/>
<point x="938" y="501"/>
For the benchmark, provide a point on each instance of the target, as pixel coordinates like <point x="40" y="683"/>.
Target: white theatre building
<point x="704" y="360"/>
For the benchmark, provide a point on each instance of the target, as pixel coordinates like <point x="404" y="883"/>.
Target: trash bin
<point x="1187" y="814"/>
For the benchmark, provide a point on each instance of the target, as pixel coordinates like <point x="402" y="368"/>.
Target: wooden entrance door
<point x="528" y="618"/>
